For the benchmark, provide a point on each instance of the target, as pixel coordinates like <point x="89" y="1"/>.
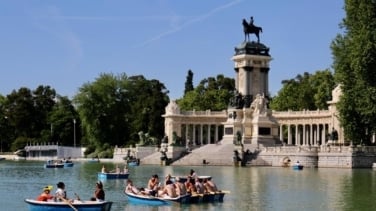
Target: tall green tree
<point x="189" y="82"/>
<point x="65" y="123"/>
<point x="211" y="93"/>
<point x="355" y="68"/>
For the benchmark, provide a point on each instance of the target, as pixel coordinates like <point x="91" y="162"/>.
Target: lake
<point x="252" y="188"/>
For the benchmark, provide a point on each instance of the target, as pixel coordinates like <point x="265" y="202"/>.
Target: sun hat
<point x="49" y="188"/>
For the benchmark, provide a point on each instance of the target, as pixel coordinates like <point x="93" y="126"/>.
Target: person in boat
<point x="181" y="190"/>
<point x="104" y="170"/>
<point x="189" y="184"/>
<point x="297" y="163"/>
<point x="167" y="178"/>
<point x="169" y="190"/>
<point x="200" y="189"/>
<point x="130" y="188"/>
<point x="193" y="174"/>
<point x="99" y="194"/>
<point x="45" y="195"/>
<point x="153" y="185"/>
<point x="125" y="171"/>
<point x="117" y="169"/>
<point x="60" y="193"/>
<point x="209" y="185"/>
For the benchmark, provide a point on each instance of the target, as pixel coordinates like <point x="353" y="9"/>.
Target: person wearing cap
<point x="60" y="193"/>
<point x="45" y="195"/>
<point x="99" y="194"/>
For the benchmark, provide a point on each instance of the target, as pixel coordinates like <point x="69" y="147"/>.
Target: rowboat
<point x="297" y="167"/>
<point x="112" y="175"/>
<point x="76" y="205"/>
<point x="68" y="163"/>
<point x="134" y="163"/>
<point x="53" y="164"/>
<point x="156" y="201"/>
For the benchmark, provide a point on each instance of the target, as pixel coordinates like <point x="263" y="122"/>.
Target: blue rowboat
<point x="35" y="205"/>
<point x="156" y="201"/>
<point x="297" y="167"/>
<point x="68" y="164"/>
<point x="133" y="163"/>
<point x="110" y="175"/>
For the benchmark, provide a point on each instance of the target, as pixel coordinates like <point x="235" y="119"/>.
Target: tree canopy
<point x="114" y="109"/>
<point x="211" y="93"/>
<point x="354" y="55"/>
<point x="307" y="91"/>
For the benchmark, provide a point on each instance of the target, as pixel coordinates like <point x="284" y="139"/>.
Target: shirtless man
<point x="169" y="189"/>
<point x="153" y="185"/>
<point x="210" y="186"/>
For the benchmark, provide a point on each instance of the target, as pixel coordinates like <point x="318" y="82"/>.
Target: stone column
<point x="296" y="135"/>
<point x="194" y="134"/>
<point x="289" y="141"/>
<point x="201" y="133"/>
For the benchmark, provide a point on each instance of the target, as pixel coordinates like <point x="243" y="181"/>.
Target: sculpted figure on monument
<point x="172" y="108"/>
<point x="250" y="28"/>
<point x="259" y="105"/>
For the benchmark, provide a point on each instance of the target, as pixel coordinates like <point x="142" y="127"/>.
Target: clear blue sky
<point x="67" y="43"/>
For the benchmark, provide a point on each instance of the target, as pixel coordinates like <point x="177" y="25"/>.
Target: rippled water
<point x="252" y="188"/>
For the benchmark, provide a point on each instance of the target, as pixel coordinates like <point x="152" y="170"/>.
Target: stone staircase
<point x="211" y="154"/>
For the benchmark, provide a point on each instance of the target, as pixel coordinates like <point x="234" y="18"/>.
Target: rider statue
<point x="251" y="22"/>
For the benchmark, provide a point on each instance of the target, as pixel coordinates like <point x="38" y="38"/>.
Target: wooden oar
<point x="68" y="202"/>
<point x="223" y="191"/>
<point x="77" y="196"/>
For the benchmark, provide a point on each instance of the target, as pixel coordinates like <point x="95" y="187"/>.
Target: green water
<point x="252" y="188"/>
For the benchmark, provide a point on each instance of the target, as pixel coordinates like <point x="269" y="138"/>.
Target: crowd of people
<point x="61" y="194"/>
<point x="174" y="187"/>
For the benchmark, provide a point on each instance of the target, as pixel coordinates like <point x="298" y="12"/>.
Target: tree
<point x="103" y="108"/>
<point x="189" y="82"/>
<point x="211" y="93"/>
<point x="307" y="91"/>
<point x="63" y="118"/>
<point x="354" y="55"/>
<point x="114" y="109"/>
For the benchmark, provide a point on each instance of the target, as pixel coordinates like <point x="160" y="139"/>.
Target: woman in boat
<point x="131" y="188"/>
<point x="99" y="194"/>
<point x="60" y="193"/>
<point x="200" y="189"/>
<point x="193" y="174"/>
<point x="45" y="195"/>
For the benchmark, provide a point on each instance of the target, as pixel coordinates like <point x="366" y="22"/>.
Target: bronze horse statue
<point x="251" y="29"/>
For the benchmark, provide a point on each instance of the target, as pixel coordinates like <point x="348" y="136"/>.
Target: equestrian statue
<point x="249" y="28"/>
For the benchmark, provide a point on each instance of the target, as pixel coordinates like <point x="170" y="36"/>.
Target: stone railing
<point x="301" y="113"/>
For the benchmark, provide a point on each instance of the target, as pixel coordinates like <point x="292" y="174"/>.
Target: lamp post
<point x="74" y="132"/>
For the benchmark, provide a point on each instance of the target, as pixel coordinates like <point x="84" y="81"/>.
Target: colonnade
<point x="304" y="134"/>
<point x="201" y="134"/>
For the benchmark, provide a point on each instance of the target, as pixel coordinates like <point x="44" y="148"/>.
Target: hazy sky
<point x="67" y="43"/>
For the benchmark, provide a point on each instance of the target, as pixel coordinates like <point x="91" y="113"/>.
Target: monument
<point x="248" y="114"/>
